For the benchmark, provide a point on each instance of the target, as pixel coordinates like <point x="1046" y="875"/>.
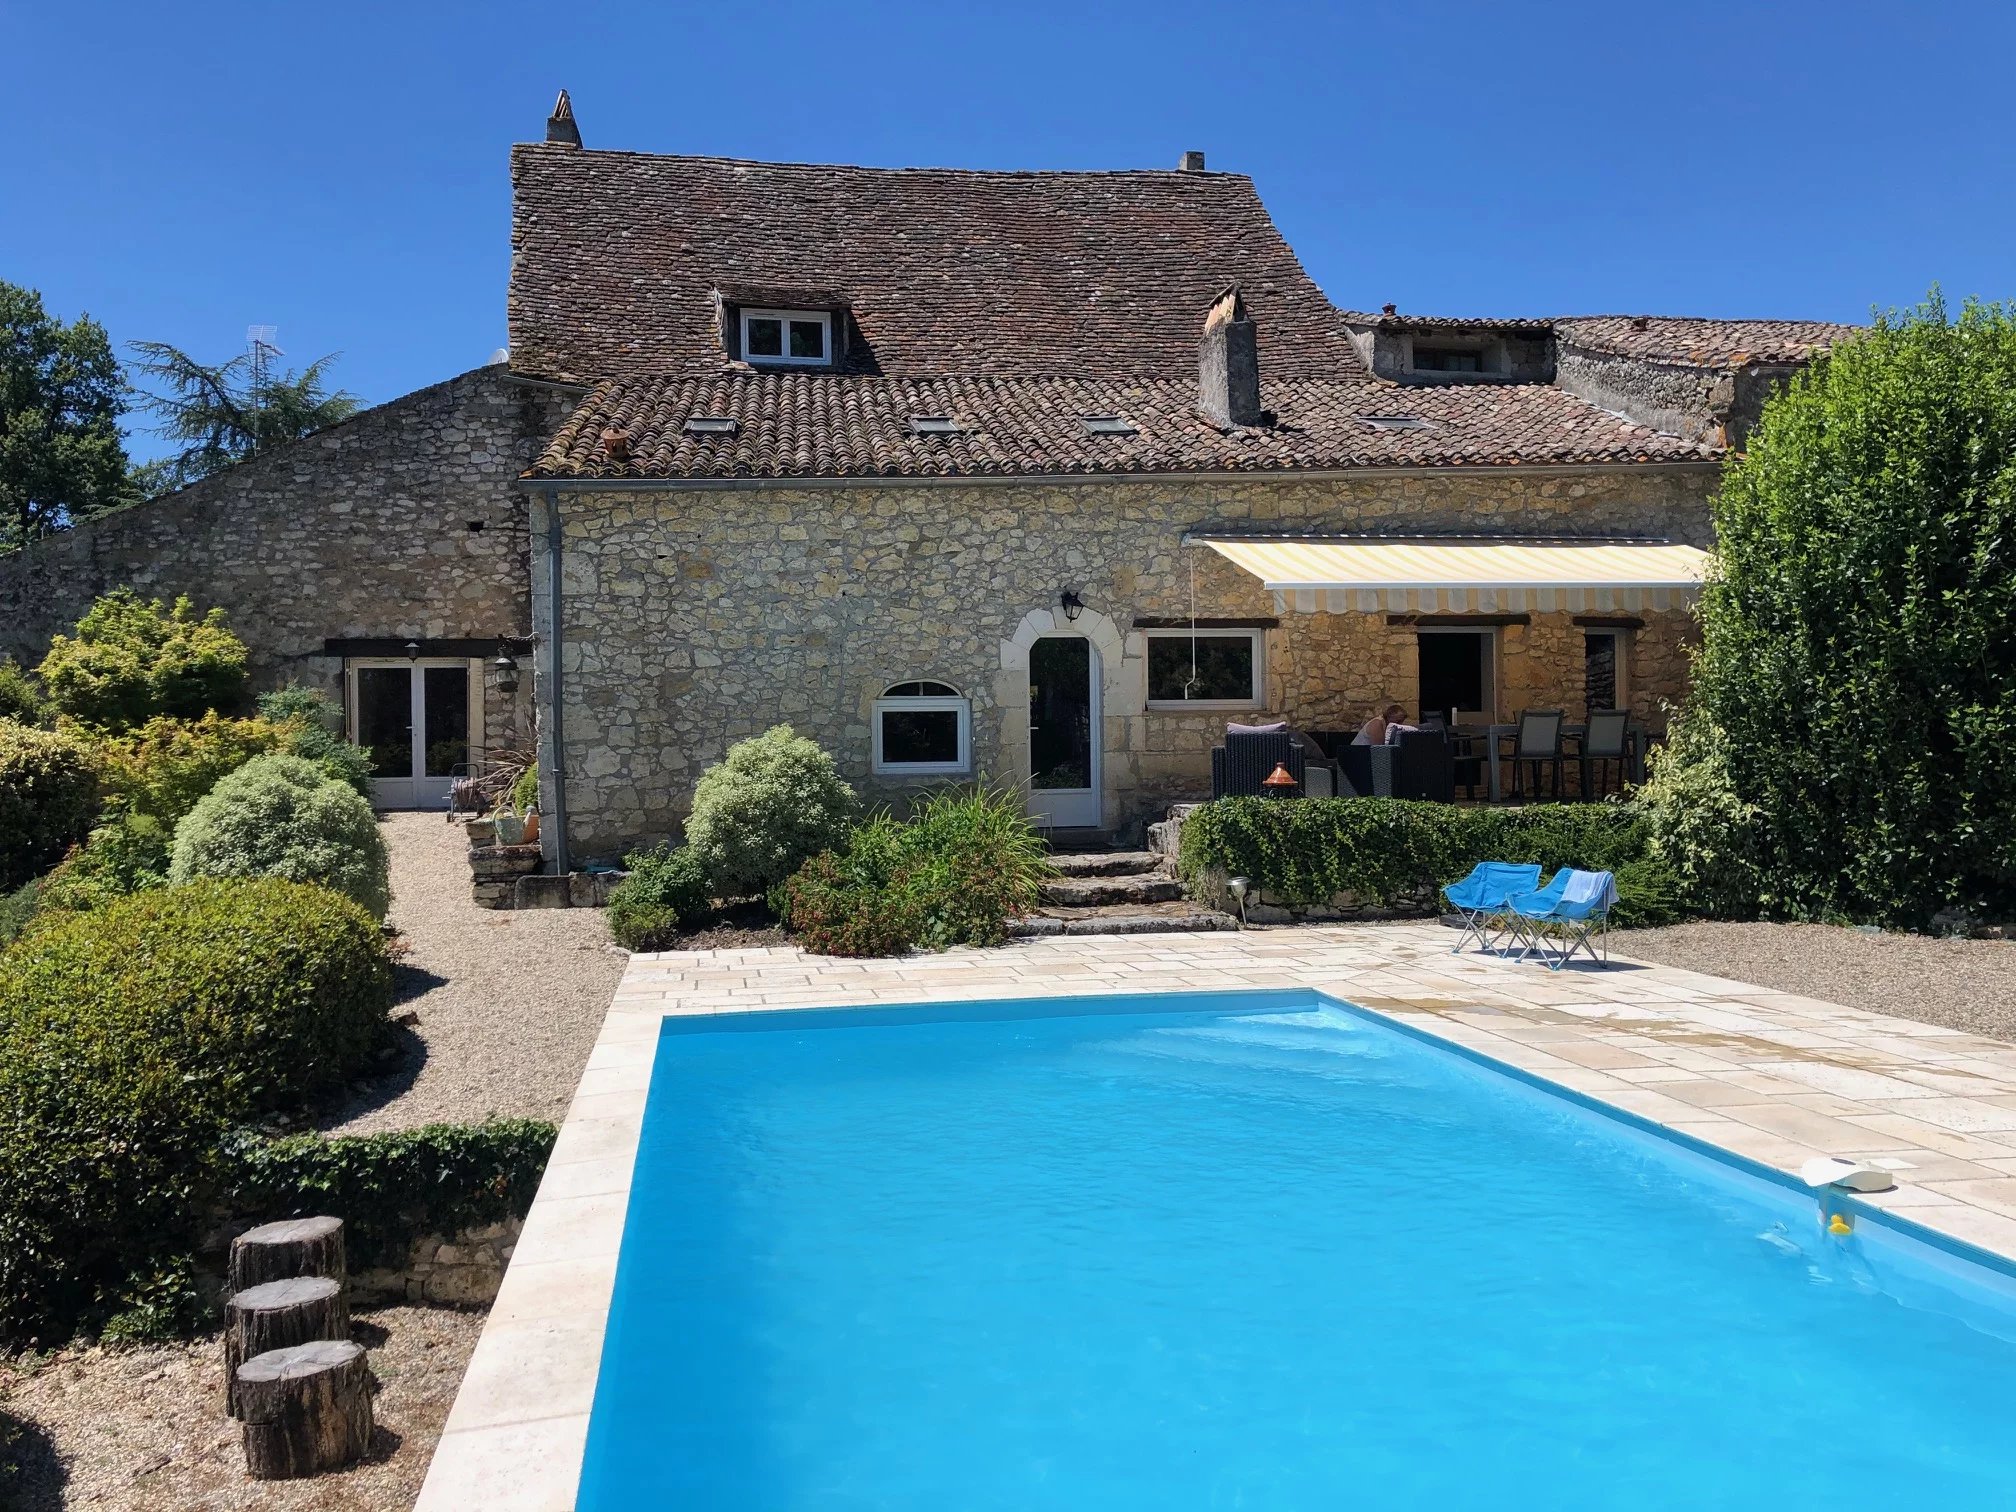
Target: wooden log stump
<point x="279" y="1315"/>
<point x="306" y="1409"/>
<point x="284" y="1250"/>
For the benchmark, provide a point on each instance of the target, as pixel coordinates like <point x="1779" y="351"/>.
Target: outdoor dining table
<point x="1494" y="735"/>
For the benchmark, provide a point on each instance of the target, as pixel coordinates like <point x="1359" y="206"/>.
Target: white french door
<point x="416" y="718"/>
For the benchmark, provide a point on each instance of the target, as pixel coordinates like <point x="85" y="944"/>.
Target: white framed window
<point x="1606" y="668"/>
<point x="923" y="729"/>
<point x="1206" y="669"/>
<point x="789" y="338"/>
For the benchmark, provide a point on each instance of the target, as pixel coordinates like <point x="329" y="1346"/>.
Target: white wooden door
<point x="416" y="718"/>
<point x="1064" y="727"/>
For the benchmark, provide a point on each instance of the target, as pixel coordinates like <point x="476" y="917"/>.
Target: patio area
<point x="1768" y="1075"/>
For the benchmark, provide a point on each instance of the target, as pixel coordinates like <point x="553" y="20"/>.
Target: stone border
<point x="517" y="1434"/>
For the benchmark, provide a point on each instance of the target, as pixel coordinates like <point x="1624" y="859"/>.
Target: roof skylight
<point x="937" y="425"/>
<point x="1397" y="422"/>
<point x="1109" y="425"/>
<point x="712" y="425"/>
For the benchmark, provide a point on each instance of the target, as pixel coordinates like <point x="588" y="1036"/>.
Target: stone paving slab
<point x="1770" y="1076"/>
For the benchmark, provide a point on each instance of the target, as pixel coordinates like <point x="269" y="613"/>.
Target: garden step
<point x="1105" y="863"/>
<point x="1090" y="892"/>
<point x="1123" y="919"/>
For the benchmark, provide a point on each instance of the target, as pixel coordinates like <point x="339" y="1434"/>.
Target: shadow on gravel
<point x="410" y="982"/>
<point x="399" y="1064"/>
<point x="31" y="1476"/>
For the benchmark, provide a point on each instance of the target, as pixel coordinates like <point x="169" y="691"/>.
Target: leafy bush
<point x="966" y="863"/>
<point x="666" y="890"/>
<point x="161" y="769"/>
<point x="133" y="658"/>
<point x="48" y="797"/>
<point x="1859" y="636"/>
<point x="525" y="791"/>
<point x="296" y="704"/>
<point x="338" y="759"/>
<point x="20" y="700"/>
<point x="131" y="1038"/>
<point x="1649" y="893"/>
<point x="394" y="1188"/>
<point x="17" y="908"/>
<point x="1386" y="853"/>
<point x="1711" y="840"/>
<point x="127" y="855"/>
<point x="280" y="816"/>
<point x="771" y="805"/>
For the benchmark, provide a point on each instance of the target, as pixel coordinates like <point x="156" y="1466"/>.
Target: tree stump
<point x="279" y="1315"/>
<point x="284" y="1250"/>
<point x="306" y="1409"/>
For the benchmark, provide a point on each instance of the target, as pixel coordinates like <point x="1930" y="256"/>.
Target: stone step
<point x="1076" y="841"/>
<point x="1123" y="919"/>
<point x="1098" y="891"/>
<point x="1105" y="863"/>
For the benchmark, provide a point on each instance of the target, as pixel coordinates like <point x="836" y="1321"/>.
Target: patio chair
<point x="1607" y="741"/>
<point x="1239" y="766"/>
<point x="1481" y="898"/>
<point x="1537" y="744"/>
<point x="1570" y="909"/>
<point x="1424" y="767"/>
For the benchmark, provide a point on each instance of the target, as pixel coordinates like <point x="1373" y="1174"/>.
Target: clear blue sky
<point x="182" y="171"/>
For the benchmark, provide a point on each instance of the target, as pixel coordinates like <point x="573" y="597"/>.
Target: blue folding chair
<point x="1480" y="899"/>
<point x="1573" y="907"/>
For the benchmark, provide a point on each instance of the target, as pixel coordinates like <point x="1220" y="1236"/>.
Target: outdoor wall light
<point x="506" y="668"/>
<point x="1073" y="606"/>
<point x="412" y="650"/>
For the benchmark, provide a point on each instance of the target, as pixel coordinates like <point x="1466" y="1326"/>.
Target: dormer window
<point x="788" y="338"/>
<point x="1448" y="360"/>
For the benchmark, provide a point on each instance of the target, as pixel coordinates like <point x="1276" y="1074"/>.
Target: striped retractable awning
<point x="1466" y="575"/>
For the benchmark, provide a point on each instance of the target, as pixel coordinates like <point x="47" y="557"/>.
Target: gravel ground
<point x="143" y="1429"/>
<point x="509" y="1003"/>
<point x="1960" y="983"/>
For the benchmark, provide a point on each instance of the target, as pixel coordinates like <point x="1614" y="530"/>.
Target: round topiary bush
<point x="771" y="805"/>
<point x="131" y="1039"/>
<point x="280" y="816"/>
<point x="666" y="890"/>
<point x="48" y="798"/>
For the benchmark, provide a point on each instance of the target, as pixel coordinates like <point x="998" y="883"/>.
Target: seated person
<point x="1378" y="729"/>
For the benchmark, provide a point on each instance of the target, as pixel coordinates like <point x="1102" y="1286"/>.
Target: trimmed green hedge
<point x="1390" y="854"/>
<point x="391" y="1189"/>
<point x="48" y="798"/>
<point x="132" y="1038"/>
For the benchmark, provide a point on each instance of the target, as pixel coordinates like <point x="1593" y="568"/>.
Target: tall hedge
<point x="1859" y="638"/>
<point x="48" y="798"/>
<point x="131" y="1039"/>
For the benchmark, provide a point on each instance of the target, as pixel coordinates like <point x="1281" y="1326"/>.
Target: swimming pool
<point x="1245" y="1251"/>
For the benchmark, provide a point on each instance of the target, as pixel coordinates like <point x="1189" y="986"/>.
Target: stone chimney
<point x="560" y="125"/>
<point x="1193" y="162"/>
<point x="1228" y="365"/>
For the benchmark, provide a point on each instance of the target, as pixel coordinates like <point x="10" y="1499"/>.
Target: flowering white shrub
<point x="772" y="804"/>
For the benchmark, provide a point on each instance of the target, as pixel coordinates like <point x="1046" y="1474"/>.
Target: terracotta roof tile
<point x="800" y="425"/>
<point x="616" y="257"/>
<point x="1697" y="342"/>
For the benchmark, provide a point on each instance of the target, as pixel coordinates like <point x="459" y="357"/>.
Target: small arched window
<point x="923" y="728"/>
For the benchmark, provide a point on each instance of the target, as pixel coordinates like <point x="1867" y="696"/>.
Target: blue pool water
<point x="1202" y="1256"/>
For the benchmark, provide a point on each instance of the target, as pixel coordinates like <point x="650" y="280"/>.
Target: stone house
<point x="1032" y="477"/>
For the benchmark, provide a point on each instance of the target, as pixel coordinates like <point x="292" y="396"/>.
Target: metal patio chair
<point x="1607" y="740"/>
<point x="1537" y="744"/>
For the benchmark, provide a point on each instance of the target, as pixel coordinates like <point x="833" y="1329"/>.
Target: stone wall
<point x="693" y="618"/>
<point x="403" y="522"/>
<point x="1680" y="398"/>
<point x="445" y="1270"/>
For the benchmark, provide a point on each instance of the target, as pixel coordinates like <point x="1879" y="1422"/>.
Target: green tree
<point x="1858" y="663"/>
<point x="61" y="395"/>
<point x="133" y="658"/>
<point x="224" y="414"/>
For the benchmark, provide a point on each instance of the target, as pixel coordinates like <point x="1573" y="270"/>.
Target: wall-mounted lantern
<point x="412" y="650"/>
<point x="504" y="672"/>
<point x="1072" y="605"/>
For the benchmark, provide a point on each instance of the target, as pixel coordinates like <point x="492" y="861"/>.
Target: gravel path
<point x="1962" y="984"/>
<point x="509" y="1003"/>
<point x="143" y="1429"/>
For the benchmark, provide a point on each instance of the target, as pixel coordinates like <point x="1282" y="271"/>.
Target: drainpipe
<point x="555" y="704"/>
